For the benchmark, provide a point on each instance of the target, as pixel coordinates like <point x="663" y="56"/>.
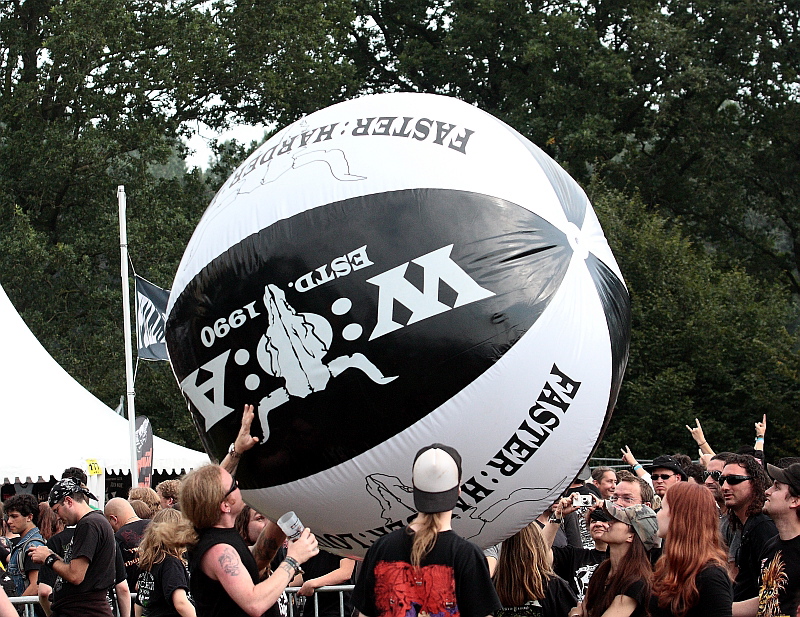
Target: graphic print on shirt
<point x="67" y="558"/>
<point x="582" y="576"/>
<point x="773" y="581"/>
<point x="404" y="591"/>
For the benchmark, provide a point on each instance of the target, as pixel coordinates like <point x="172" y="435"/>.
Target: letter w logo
<point x="437" y="266"/>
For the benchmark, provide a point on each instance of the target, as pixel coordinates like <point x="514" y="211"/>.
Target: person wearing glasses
<point x="744" y="483"/>
<point x="620" y="586"/>
<point x="665" y="472"/>
<point x="224" y="578"/>
<point x="691" y="579"/>
<point x="711" y="479"/>
<point x="87" y="569"/>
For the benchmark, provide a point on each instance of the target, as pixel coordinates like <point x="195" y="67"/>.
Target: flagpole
<point x="126" y="311"/>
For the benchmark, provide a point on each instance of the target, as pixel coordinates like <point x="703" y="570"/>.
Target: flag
<point x="151" y="319"/>
<point x="144" y="451"/>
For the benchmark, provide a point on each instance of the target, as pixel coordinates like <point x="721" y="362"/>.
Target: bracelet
<point x="759" y="438"/>
<point x="700" y="445"/>
<point x="50" y="560"/>
<point x="637" y="466"/>
<point x="232" y="451"/>
<point x="293" y="564"/>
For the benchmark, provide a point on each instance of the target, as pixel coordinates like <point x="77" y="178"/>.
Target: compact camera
<point x="580" y="501"/>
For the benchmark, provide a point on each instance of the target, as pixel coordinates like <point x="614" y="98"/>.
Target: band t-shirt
<point x="780" y="578"/>
<point x="576" y="566"/>
<point x="94" y="540"/>
<point x="156" y="586"/>
<point x="128" y="537"/>
<point x="452" y="581"/>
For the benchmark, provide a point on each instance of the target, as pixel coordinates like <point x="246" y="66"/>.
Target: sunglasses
<point x="234" y="486"/>
<point x="733" y="480"/>
<point x="662" y="476"/>
<point x="714" y="475"/>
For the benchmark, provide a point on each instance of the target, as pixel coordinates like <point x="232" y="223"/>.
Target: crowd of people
<point x="674" y="538"/>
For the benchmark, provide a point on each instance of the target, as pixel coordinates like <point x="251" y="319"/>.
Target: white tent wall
<point x="52" y="422"/>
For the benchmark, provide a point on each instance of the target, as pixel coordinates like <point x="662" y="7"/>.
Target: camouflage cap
<point x="640" y="517"/>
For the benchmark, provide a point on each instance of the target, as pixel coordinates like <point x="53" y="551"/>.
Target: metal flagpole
<point x="126" y="310"/>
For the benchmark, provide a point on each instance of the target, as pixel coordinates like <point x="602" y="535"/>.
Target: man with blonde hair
<point x="224" y="573"/>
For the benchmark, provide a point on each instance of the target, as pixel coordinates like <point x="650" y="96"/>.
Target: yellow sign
<point x="94" y="467"/>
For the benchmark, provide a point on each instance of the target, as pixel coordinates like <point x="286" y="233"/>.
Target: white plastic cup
<point x="291" y="526"/>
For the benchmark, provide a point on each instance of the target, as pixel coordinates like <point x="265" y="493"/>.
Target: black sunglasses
<point x="234" y="486"/>
<point x="733" y="480"/>
<point x="714" y="475"/>
<point x="662" y="476"/>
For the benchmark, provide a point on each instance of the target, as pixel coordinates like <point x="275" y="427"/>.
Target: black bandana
<point x="66" y="488"/>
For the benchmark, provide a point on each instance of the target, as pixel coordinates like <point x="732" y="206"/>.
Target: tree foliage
<point x="684" y="113"/>
<point x="707" y="343"/>
<point x="95" y="94"/>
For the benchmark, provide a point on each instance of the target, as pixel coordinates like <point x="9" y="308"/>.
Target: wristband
<point x="637" y="466"/>
<point x="50" y="560"/>
<point x="759" y="438"/>
<point x="293" y="564"/>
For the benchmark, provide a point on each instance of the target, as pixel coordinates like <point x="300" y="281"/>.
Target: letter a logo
<point x="438" y="266"/>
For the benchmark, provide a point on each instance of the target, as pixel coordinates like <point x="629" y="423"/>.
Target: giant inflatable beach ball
<point x="389" y="272"/>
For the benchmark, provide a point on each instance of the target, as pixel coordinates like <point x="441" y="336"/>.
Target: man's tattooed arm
<point x="229" y="562"/>
<point x="288" y="569"/>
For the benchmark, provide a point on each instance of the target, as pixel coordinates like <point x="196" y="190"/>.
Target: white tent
<point x="57" y="423"/>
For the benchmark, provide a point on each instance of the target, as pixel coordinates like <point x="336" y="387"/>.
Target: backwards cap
<point x="436" y="476"/>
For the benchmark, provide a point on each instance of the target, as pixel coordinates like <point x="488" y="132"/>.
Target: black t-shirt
<point x="576" y="566"/>
<point x="558" y="600"/>
<point x="328" y="603"/>
<point x="453" y="579"/>
<point x="157" y="585"/>
<point x="636" y="590"/>
<point x="93" y="539"/>
<point x="715" y="596"/>
<point x="757" y="531"/>
<point x="780" y="556"/>
<point x="209" y="596"/>
<point x="129" y="537"/>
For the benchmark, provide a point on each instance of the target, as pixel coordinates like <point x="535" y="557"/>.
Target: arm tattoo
<point x="288" y="569"/>
<point x="229" y="562"/>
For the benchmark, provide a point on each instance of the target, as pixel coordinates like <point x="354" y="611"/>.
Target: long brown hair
<point x="523" y="569"/>
<point x="694" y="542"/>
<point x="169" y="533"/>
<point x="604" y="587"/>
<point x="424" y="537"/>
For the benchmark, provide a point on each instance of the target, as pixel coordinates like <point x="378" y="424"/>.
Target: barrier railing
<point x="30" y="601"/>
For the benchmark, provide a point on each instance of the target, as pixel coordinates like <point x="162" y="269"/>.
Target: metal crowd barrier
<point x="30" y="601"/>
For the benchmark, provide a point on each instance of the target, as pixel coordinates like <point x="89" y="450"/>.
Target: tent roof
<point x="64" y="424"/>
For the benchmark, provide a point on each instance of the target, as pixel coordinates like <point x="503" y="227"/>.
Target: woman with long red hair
<point x="691" y="578"/>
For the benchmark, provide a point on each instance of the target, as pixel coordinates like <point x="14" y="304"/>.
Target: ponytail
<point x="424" y="537"/>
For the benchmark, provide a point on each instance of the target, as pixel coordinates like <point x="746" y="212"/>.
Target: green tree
<point x="96" y="94"/>
<point x="693" y="104"/>
<point x="707" y="342"/>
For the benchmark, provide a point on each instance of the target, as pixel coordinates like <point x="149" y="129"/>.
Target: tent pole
<point x="126" y="311"/>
